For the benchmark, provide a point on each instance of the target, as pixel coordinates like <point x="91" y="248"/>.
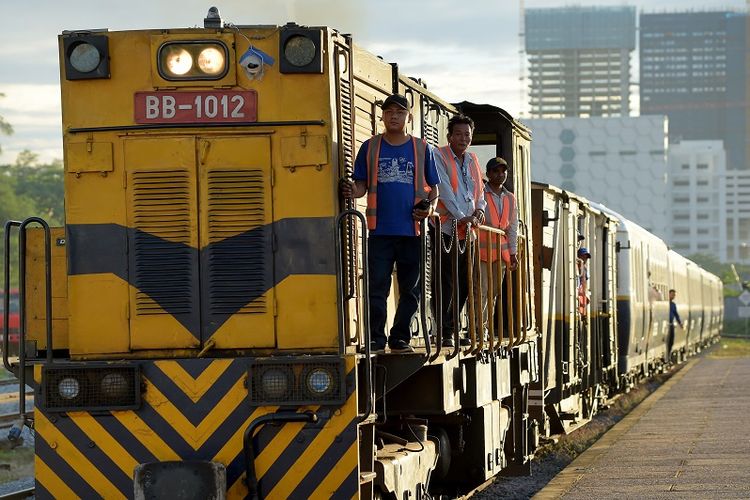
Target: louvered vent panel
<point x="161" y="215"/>
<point x="239" y="256"/>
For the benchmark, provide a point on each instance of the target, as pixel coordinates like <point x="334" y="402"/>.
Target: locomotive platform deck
<point x="689" y="439"/>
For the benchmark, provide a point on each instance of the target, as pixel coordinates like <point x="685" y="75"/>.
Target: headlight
<point x="211" y="61"/>
<point x="297" y="380"/>
<point x="193" y="60"/>
<point x="114" y="385"/>
<point x="85" y="58"/>
<point x="178" y="61"/>
<point x="275" y="383"/>
<point x="299" y="50"/>
<point x="318" y="381"/>
<point x="68" y="388"/>
<point x="90" y="387"/>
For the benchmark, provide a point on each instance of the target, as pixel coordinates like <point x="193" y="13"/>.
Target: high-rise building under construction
<point x="579" y="60"/>
<point x="694" y="69"/>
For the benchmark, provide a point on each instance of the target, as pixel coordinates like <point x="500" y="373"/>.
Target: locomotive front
<point x="200" y="304"/>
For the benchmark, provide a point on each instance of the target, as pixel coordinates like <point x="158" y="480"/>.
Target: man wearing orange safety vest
<point x="462" y="200"/>
<point x="502" y="213"/>
<point x="397" y="171"/>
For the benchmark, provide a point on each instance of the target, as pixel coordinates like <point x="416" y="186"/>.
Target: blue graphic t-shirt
<point x="395" y="185"/>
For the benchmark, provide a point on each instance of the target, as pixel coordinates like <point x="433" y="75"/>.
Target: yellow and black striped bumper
<point x="198" y="410"/>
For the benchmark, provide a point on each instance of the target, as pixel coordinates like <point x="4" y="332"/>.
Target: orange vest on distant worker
<point x="499" y="221"/>
<point x="476" y="174"/>
<point x="421" y="188"/>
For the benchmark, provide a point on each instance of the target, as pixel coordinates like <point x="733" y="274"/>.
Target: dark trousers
<point x="383" y="253"/>
<point x="670" y="339"/>
<point x="446" y="278"/>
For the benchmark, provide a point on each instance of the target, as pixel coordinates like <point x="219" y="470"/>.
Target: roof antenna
<point x="213" y="19"/>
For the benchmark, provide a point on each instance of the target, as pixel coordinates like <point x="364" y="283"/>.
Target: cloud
<point x="34" y="113"/>
<point x="463" y="50"/>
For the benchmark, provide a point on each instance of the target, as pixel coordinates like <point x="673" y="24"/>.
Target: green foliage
<point x="711" y="264"/>
<point x="737" y="328"/>
<point x="28" y="189"/>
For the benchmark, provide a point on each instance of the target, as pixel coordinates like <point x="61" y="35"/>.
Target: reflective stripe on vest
<point x="421" y="189"/>
<point x="476" y="175"/>
<point x="500" y="221"/>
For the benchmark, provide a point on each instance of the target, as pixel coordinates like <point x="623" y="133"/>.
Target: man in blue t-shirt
<point x="395" y="205"/>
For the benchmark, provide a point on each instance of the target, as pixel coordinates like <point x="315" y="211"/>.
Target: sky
<point x="464" y="50"/>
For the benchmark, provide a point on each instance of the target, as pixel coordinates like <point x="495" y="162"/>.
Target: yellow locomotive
<point x="198" y="328"/>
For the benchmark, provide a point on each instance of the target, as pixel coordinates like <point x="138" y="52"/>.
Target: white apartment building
<point x="618" y="161"/>
<point x="710" y="205"/>
<point x="738" y="216"/>
<point x="697" y="195"/>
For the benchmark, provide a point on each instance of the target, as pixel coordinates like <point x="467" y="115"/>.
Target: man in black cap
<point x="397" y="172"/>
<point x="502" y="213"/>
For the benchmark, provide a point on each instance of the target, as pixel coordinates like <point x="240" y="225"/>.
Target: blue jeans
<point x="383" y="253"/>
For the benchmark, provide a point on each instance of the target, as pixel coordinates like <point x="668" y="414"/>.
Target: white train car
<point x="643" y="278"/>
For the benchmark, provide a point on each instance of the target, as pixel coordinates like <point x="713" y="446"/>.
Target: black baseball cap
<point x="397" y="99"/>
<point x="497" y="162"/>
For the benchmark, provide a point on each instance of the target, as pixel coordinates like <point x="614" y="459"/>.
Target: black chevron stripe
<point x="196" y="412"/>
<point x="194" y="367"/>
<point x="235" y="469"/>
<point x="349" y="488"/>
<point x="289" y="456"/>
<point x="41" y="493"/>
<point x="64" y="471"/>
<point x="86" y="445"/>
<point x="235" y="420"/>
<point x="327" y="462"/>
<point x="304" y="246"/>
<point x="127" y="439"/>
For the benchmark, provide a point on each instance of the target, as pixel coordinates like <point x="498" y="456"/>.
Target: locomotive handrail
<point x="6" y="292"/>
<point x="22" y="302"/>
<point x="497" y="234"/>
<point x="365" y="297"/>
<point x="527" y="259"/>
<point x="424" y="254"/>
<point x="437" y="289"/>
<point x="248" y="447"/>
<point x="511" y="316"/>
<point x="21" y="373"/>
<point x="470" y="304"/>
<point x="455" y="250"/>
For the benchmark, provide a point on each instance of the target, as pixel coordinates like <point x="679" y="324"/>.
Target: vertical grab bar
<point x="22" y="303"/>
<point x="437" y="253"/>
<point x="423" y="245"/>
<point x="528" y="275"/>
<point x="369" y="405"/>
<point x="6" y="292"/>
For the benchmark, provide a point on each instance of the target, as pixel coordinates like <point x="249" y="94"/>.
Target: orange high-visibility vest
<point x="500" y="221"/>
<point x="476" y="175"/>
<point x="421" y="188"/>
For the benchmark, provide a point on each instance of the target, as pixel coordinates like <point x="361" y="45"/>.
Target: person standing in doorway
<point x="462" y="200"/>
<point x="502" y="213"/>
<point x="397" y="172"/>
